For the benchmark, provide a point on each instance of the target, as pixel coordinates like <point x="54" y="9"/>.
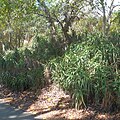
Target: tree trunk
<point x="9" y="28"/>
<point x="104" y="19"/>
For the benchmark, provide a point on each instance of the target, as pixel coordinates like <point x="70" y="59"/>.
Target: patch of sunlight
<point x="13" y="116"/>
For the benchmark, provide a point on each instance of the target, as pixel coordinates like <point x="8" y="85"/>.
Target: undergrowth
<point x="90" y="71"/>
<point x="23" y="68"/>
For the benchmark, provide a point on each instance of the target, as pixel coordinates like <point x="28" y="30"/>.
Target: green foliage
<point x="90" y="71"/>
<point x="17" y="22"/>
<point x="23" y="68"/>
<point x="19" y="71"/>
<point x="44" y="49"/>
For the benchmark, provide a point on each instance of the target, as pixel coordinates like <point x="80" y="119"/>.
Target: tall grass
<point x="90" y="71"/>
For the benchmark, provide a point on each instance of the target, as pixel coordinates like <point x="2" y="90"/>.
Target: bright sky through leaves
<point x="116" y="2"/>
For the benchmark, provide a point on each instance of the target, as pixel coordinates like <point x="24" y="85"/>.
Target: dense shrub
<point x="90" y="71"/>
<point x="23" y="68"/>
<point x="20" y="71"/>
<point x="44" y="49"/>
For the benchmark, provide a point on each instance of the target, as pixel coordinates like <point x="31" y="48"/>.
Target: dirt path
<point x="52" y="103"/>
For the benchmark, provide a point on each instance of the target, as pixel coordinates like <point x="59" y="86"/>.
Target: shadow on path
<point x="9" y="113"/>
